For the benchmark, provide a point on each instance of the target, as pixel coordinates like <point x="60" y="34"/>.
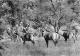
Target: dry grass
<point x="62" y="49"/>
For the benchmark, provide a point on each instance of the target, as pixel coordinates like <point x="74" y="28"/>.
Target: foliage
<point x="40" y="12"/>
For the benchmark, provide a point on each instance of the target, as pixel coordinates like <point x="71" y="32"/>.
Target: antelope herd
<point x="28" y="33"/>
<point x="24" y="34"/>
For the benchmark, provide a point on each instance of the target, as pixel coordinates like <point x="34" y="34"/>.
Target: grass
<point x="62" y="49"/>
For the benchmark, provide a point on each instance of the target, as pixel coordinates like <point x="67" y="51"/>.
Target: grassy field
<point x="62" y="49"/>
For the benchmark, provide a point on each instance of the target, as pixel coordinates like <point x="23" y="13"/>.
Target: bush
<point x="1" y="31"/>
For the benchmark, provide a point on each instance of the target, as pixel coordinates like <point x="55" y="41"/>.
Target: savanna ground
<point x="62" y="49"/>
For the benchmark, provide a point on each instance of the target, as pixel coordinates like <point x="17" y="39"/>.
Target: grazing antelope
<point x="64" y="34"/>
<point x="73" y="35"/>
<point x="28" y="37"/>
<point x="50" y="36"/>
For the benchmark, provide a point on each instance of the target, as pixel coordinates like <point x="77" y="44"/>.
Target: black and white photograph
<point x="39" y="27"/>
